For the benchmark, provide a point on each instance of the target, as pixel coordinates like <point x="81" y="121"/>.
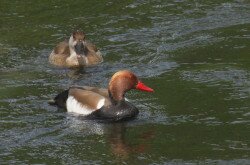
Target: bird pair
<point x="92" y="102"/>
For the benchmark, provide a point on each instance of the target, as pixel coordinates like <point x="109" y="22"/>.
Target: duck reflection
<point x="76" y="73"/>
<point x="119" y="141"/>
<point x="122" y="138"/>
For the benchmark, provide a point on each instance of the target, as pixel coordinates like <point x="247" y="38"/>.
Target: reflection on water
<point x="115" y="136"/>
<point x="194" y="54"/>
<point x="120" y="145"/>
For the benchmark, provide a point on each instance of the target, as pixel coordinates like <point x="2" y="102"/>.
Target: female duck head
<point x="77" y="43"/>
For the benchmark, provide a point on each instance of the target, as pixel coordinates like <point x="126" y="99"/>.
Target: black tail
<point x="60" y="99"/>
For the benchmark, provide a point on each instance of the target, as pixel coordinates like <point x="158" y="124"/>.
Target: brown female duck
<point x="75" y="53"/>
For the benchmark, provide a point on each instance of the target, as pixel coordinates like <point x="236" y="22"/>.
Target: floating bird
<point x="100" y="103"/>
<point x="77" y="52"/>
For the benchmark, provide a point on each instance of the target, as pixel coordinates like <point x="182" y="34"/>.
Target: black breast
<point x="121" y="111"/>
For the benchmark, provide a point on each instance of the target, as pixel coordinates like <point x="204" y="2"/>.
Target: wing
<point x="84" y="101"/>
<point x="62" y="48"/>
<point x="101" y="91"/>
<point x="91" y="46"/>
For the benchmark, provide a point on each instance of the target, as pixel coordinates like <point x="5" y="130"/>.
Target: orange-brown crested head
<point x="123" y="81"/>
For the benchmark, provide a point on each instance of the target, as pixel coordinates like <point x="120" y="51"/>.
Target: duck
<point x="77" y="52"/>
<point x="100" y="103"/>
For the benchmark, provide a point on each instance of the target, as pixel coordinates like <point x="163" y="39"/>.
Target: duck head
<point x="123" y="81"/>
<point x="77" y="43"/>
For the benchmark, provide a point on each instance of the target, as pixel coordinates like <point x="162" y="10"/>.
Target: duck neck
<point x="116" y="97"/>
<point x="73" y="52"/>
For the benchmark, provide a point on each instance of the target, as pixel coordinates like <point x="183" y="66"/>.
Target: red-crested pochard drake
<point x="100" y="103"/>
<point x="77" y="52"/>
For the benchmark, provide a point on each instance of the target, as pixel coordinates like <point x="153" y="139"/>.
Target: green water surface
<point x="195" y="54"/>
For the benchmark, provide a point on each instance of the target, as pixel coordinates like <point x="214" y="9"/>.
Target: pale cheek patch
<point x="86" y="60"/>
<point x="74" y="106"/>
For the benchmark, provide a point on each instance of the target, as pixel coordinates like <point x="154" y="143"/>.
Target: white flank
<point x="74" y="106"/>
<point x="100" y="103"/>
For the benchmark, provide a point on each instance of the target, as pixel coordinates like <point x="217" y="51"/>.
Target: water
<point x="194" y="54"/>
